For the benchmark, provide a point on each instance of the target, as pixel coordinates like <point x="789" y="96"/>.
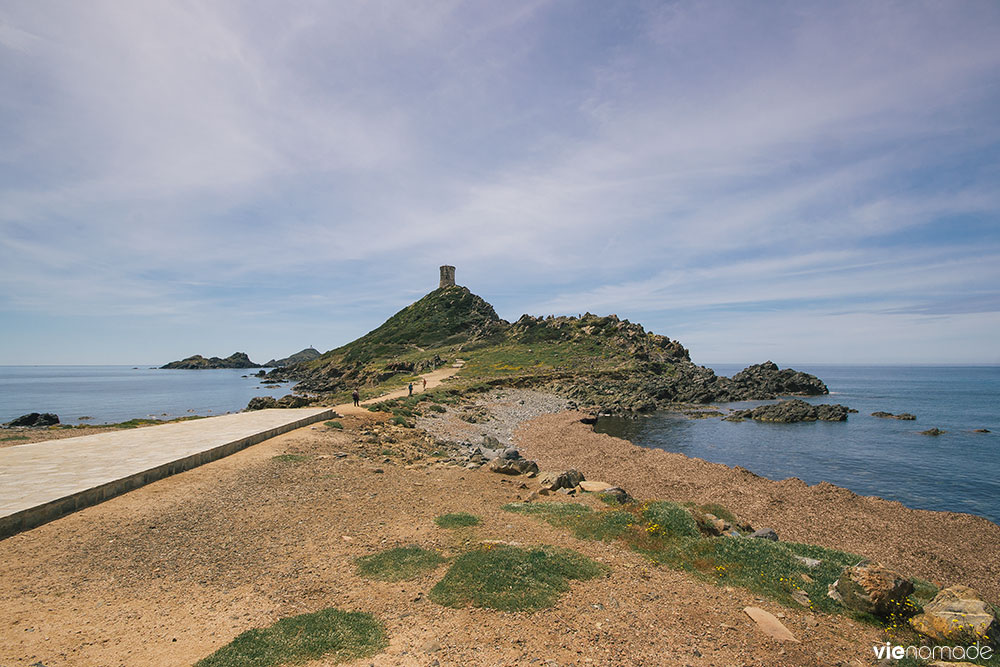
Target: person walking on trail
<point x="425" y="384"/>
<point x="411" y="389"/>
<point x="357" y="398"/>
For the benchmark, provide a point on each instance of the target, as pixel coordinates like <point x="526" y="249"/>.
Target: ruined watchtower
<point x="447" y="277"/>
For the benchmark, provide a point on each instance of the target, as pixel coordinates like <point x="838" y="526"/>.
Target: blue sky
<point x="803" y="182"/>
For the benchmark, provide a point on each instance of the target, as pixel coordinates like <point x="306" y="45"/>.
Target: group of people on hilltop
<point x="356" y="396"/>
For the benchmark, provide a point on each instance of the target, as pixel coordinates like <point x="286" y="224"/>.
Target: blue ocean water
<point x="117" y="393"/>
<point x="958" y="471"/>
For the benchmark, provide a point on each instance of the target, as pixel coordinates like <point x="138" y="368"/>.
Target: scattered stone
<point x="872" y="589"/>
<point x="769" y="624"/>
<point x="957" y="614"/>
<point x="35" y="419"/>
<point x="933" y="431"/>
<point x="801" y="597"/>
<point x="809" y="562"/>
<point x="431" y="647"/>
<point x="765" y="534"/>
<point x="491" y="443"/>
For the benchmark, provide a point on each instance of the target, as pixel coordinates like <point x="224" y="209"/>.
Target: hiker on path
<point x="425" y="384"/>
<point x="357" y="398"/>
<point x="411" y="389"/>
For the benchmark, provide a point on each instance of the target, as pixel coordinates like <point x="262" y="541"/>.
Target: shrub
<point x="333" y="424"/>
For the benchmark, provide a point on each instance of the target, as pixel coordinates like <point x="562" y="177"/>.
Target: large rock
<point x="957" y="614"/>
<point x="513" y="466"/>
<point x="566" y="479"/>
<point x="872" y="589"/>
<point x="36" y="419"/>
<point x="765" y="380"/>
<point x="617" y="494"/>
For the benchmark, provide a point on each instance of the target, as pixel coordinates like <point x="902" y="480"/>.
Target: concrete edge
<point x="12" y="524"/>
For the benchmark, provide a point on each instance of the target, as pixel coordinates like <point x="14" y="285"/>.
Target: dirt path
<point x="434" y="379"/>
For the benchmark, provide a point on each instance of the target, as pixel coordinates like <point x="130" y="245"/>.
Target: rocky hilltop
<point x="603" y="362"/>
<point x="299" y="357"/>
<point x="198" y="362"/>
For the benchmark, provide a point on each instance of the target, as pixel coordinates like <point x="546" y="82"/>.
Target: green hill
<point x="600" y="361"/>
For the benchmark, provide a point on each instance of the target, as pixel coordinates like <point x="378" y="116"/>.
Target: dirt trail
<point x="434" y="379"/>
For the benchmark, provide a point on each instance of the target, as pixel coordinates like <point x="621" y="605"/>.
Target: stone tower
<point x="447" y="277"/>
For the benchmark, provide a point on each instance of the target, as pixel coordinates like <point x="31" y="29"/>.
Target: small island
<point x="198" y="362"/>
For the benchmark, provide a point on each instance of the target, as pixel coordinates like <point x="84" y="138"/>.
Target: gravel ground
<point x="499" y="413"/>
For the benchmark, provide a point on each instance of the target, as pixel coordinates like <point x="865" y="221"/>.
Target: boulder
<point x="594" y="486"/>
<point x="491" y="443"/>
<point x="933" y="431"/>
<point x="905" y="416"/>
<point x="36" y="419"/>
<point x="956" y="615"/>
<point x="872" y="589"/>
<point x="517" y="466"/>
<point x="566" y="479"/>
<point x="261" y="403"/>
<point x="293" y="401"/>
<point x="765" y="534"/>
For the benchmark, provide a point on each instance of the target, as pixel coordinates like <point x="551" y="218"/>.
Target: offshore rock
<point x="795" y="410"/>
<point x="299" y="357"/>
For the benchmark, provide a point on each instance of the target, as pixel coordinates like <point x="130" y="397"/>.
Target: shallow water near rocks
<point x="118" y="393"/>
<point x="958" y="471"/>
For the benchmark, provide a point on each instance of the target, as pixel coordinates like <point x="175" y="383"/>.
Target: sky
<point x="807" y="182"/>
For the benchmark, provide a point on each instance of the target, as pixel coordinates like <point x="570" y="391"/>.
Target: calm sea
<point x="958" y="471"/>
<point x="117" y="393"/>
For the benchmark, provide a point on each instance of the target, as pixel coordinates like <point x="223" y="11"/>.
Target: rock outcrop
<point x="795" y="410"/>
<point x="265" y="402"/>
<point x="36" y="419"/>
<point x="198" y="362"/>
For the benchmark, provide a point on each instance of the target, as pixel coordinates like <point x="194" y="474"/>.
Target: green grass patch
<point x="435" y="407"/>
<point x="388" y="452"/>
<point x="135" y="423"/>
<point x="667" y="519"/>
<point x="585" y="523"/>
<point x="398" y="564"/>
<point x="457" y="520"/>
<point x="290" y="458"/>
<point x="509" y="578"/>
<point x="11" y="438"/>
<point x="400" y="420"/>
<point x="329" y="633"/>
<point x="667" y="534"/>
<point x="333" y="424"/>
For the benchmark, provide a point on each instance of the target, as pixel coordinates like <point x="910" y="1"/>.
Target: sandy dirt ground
<point x="168" y="573"/>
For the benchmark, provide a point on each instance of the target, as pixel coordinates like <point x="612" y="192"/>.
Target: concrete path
<point x="42" y="481"/>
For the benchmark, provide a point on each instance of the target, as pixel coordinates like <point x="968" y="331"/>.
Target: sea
<point x="110" y="394"/>
<point x="958" y="471"/>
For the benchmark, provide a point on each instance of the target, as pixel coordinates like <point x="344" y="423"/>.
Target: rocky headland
<point x="198" y="362"/>
<point x="300" y="357"/>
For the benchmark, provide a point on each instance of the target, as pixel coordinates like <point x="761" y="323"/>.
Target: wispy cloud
<point x="213" y="165"/>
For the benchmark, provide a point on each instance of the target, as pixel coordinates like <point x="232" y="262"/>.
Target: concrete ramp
<point x="43" y="481"/>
